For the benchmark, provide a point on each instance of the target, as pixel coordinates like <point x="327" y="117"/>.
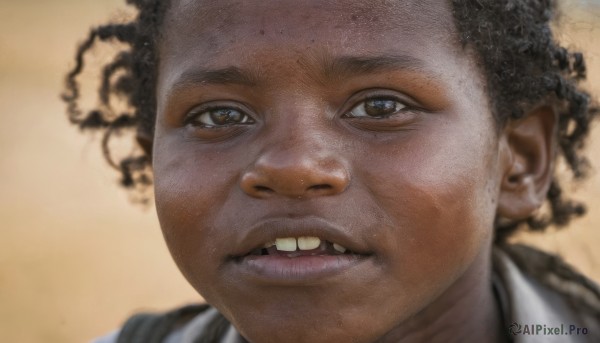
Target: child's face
<point x="364" y="124"/>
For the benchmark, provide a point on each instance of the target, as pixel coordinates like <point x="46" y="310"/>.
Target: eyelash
<point x="377" y="98"/>
<point x="195" y="115"/>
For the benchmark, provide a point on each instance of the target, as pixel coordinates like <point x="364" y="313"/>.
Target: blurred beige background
<point x="76" y="257"/>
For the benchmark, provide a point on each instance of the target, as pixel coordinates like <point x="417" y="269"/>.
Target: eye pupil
<point x="225" y="116"/>
<point x="379" y="107"/>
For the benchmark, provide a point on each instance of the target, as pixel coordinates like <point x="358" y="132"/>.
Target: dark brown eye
<point x="220" y="117"/>
<point x="376" y="108"/>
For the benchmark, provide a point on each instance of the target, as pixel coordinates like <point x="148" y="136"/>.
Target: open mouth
<point x="298" y="260"/>
<point x="298" y="252"/>
<point x="300" y="246"/>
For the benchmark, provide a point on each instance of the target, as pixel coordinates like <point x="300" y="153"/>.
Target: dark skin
<point x="369" y="118"/>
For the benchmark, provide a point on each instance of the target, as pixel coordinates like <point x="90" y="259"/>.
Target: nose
<point x="295" y="172"/>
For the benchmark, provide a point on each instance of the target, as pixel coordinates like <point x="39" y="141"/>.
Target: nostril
<point x="263" y="189"/>
<point x="320" y="187"/>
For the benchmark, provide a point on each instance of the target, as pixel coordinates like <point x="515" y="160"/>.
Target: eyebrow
<point x="339" y="67"/>
<point x="223" y="76"/>
<point x="355" y="65"/>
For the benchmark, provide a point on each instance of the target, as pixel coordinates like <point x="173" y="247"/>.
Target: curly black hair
<point x="513" y="40"/>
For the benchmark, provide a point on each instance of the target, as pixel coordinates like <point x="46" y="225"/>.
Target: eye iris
<point x="380" y="107"/>
<point x="225" y="116"/>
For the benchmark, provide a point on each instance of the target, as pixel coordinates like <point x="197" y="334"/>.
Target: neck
<point x="466" y="312"/>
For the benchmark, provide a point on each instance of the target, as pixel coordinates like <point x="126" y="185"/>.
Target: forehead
<point x="375" y="13"/>
<point x="212" y="28"/>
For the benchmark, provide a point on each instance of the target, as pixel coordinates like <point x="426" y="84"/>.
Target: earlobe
<point x="145" y="141"/>
<point x="530" y="147"/>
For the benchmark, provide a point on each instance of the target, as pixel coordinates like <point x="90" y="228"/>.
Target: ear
<point x="530" y="145"/>
<point x="145" y="141"/>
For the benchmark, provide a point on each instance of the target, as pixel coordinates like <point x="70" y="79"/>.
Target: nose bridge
<point x="300" y="136"/>
<point x="298" y="160"/>
<point x="298" y="152"/>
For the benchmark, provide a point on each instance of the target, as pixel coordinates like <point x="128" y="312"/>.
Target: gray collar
<point x="528" y="304"/>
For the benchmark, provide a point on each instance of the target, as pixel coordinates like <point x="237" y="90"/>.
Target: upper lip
<point x="268" y="230"/>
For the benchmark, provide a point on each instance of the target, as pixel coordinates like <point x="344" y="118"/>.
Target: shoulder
<point x="540" y="289"/>
<point x="193" y="323"/>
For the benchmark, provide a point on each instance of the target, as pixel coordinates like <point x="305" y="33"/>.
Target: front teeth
<point x="303" y="243"/>
<point x="286" y="244"/>
<point x="308" y="243"/>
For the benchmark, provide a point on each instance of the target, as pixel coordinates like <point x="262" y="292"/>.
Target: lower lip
<point x="273" y="269"/>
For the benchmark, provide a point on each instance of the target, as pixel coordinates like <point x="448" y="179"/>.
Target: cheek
<point x="439" y="197"/>
<point x="189" y="194"/>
